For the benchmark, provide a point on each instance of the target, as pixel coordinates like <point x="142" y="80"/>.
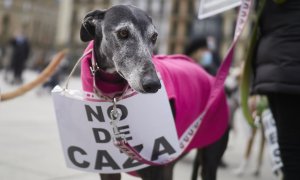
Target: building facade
<point x="55" y="24"/>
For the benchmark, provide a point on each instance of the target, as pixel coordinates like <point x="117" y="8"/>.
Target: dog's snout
<point x="151" y="85"/>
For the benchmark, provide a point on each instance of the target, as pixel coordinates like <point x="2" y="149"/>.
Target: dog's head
<point x="124" y="37"/>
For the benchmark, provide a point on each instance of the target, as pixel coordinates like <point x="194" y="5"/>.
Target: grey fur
<point x="131" y="57"/>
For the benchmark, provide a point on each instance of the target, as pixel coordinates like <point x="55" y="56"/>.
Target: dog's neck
<point x="107" y="76"/>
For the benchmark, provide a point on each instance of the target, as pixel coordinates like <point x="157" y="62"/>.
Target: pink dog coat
<point x="187" y="84"/>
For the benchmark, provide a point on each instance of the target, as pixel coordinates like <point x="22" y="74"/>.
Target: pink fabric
<point x="190" y="98"/>
<point x="86" y="77"/>
<point x="108" y="83"/>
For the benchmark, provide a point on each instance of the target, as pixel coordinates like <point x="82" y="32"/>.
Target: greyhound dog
<point x="123" y="39"/>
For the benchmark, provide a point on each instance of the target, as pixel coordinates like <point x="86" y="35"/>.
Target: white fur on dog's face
<point x="131" y="56"/>
<point x="124" y="38"/>
<point x="133" y="67"/>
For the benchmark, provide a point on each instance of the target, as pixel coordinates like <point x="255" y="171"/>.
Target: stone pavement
<point x="30" y="148"/>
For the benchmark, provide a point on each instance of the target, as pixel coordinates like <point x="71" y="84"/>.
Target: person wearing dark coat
<point x="20" y="52"/>
<point x="277" y="74"/>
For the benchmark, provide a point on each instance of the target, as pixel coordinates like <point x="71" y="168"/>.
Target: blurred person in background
<point x="20" y="51"/>
<point x="276" y="68"/>
<point x="201" y="50"/>
<point x="43" y="60"/>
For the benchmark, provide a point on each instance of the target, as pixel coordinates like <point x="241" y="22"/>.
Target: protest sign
<point x="87" y="137"/>
<point x="270" y="132"/>
<point x="212" y="7"/>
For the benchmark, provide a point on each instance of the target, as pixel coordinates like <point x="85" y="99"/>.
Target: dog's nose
<point x="151" y="85"/>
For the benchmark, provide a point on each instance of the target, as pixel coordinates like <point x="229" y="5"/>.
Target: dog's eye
<point x="154" y="38"/>
<point x="123" y="34"/>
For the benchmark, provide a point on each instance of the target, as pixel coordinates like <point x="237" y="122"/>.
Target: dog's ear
<point x="87" y="30"/>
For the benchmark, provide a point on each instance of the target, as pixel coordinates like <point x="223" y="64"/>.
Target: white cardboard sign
<point x="272" y="140"/>
<point x="86" y="134"/>
<point x="212" y="7"/>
